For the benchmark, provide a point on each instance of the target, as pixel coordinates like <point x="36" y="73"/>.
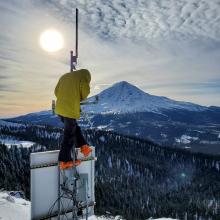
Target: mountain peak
<point x="123" y="97"/>
<point x="122" y="89"/>
<point x="125" y="84"/>
<point x="122" y="83"/>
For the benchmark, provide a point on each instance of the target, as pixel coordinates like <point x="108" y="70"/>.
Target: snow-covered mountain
<point x="126" y="109"/>
<point x="124" y="97"/>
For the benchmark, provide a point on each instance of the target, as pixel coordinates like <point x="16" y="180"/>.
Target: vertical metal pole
<point x="74" y="197"/>
<point x="73" y="194"/>
<point x="74" y="188"/>
<point x="59" y="199"/>
<point x="73" y="58"/>
<point x="77" y="11"/>
<point x="87" y="210"/>
<point x="73" y="62"/>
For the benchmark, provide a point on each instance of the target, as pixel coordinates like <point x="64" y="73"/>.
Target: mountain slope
<point x="123" y="97"/>
<point x="128" y="110"/>
<point x="162" y="175"/>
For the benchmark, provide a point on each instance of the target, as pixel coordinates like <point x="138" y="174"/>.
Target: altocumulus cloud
<point x="145" y="20"/>
<point x="166" y="47"/>
<point x="177" y="42"/>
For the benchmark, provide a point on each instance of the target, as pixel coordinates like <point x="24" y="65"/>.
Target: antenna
<point x="73" y="58"/>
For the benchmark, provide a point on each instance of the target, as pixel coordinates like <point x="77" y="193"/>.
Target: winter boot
<point x="69" y="164"/>
<point x="86" y="150"/>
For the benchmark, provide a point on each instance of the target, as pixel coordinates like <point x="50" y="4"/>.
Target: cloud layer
<point x="167" y="47"/>
<point x="160" y="46"/>
<point x="146" y="20"/>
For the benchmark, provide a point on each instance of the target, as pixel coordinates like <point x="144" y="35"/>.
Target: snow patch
<point x="162" y="219"/>
<point x="13" y="208"/>
<point x="209" y="142"/>
<point x="102" y="139"/>
<point x="105" y="218"/>
<point x="217" y="165"/>
<point x="9" y="142"/>
<point x="163" y="135"/>
<point x="102" y="127"/>
<point x="185" y="139"/>
<point x="187" y="147"/>
<point x="109" y="162"/>
<point x="122" y="125"/>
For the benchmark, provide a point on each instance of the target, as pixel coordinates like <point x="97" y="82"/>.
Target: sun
<point x="51" y="40"/>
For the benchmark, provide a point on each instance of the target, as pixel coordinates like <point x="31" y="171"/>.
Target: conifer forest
<point x="135" y="178"/>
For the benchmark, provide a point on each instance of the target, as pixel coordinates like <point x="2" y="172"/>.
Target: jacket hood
<point x="85" y="75"/>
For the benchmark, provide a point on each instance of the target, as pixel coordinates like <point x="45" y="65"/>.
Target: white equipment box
<point x="45" y="185"/>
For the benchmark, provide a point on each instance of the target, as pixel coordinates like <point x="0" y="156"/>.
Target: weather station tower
<point x="63" y="194"/>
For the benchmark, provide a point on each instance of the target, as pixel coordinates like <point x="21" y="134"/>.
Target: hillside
<point x="142" y="178"/>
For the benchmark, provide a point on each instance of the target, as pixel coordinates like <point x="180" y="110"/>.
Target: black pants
<point x="72" y="137"/>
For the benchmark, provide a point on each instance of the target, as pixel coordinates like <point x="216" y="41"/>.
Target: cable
<point x="52" y="207"/>
<point x="67" y="194"/>
<point x="64" y="195"/>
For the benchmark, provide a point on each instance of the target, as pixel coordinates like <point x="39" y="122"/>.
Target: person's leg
<point x="61" y="118"/>
<point x="80" y="140"/>
<point x="68" y="139"/>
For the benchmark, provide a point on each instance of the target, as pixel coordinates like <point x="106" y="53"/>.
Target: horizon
<point x="130" y="84"/>
<point x="169" y="49"/>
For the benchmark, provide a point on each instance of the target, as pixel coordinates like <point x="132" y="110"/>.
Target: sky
<point x="168" y="48"/>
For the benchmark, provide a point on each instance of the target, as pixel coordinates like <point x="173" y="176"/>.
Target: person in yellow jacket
<point x="71" y="89"/>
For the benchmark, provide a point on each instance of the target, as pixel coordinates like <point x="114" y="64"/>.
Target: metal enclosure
<point x="45" y="184"/>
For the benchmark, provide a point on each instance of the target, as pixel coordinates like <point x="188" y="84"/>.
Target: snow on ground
<point x="187" y="147"/>
<point x="105" y="218"/>
<point x="209" y="142"/>
<point x="163" y="135"/>
<point x="119" y="218"/>
<point x="102" y="139"/>
<point x="12" y="208"/>
<point x="185" y="139"/>
<point x="9" y="142"/>
<point x="102" y="127"/>
<point x="162" y="219"/>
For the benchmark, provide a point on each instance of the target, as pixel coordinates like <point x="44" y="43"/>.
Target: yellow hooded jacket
<point x="72" y="88"/>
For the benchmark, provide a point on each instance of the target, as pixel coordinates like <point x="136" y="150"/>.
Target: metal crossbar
<point x="55" y="163"/>
<point x="55" y="214"/>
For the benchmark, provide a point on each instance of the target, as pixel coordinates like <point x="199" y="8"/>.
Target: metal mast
<point x="73" y="58"/>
